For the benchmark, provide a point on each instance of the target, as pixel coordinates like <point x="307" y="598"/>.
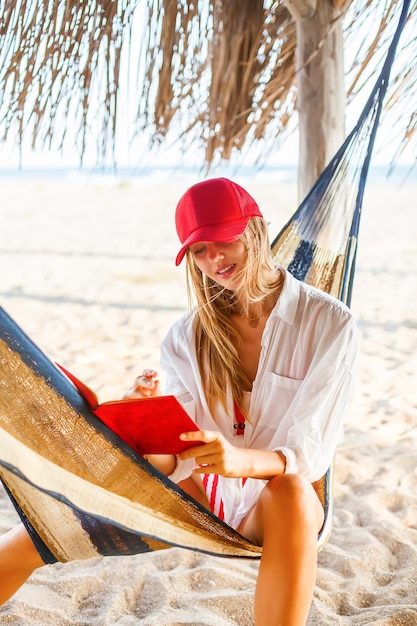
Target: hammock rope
<point x="79" y="489"/>
<point x="319" y="242"/>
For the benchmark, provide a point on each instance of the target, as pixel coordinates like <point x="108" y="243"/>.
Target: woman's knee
<point x="291" y="495"/>
<point x="288" y="487"/>
<point x="287" y="502"/>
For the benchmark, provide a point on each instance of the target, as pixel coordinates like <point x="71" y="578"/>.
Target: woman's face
<point x="222" y="262"/>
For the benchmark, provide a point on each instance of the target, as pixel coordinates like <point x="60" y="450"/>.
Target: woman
<point x="263" y="363"/>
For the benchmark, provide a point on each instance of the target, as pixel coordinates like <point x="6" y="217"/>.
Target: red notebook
<point x="148" y="425"/>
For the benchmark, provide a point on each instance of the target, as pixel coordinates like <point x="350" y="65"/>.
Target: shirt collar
<point x="287" y="303"/>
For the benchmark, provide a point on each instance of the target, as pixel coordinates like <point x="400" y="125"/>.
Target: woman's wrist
<point x="165" y="463"/>
<point x="265" y="464"/>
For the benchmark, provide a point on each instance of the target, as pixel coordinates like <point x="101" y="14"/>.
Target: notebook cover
<point x="148" y="425"/>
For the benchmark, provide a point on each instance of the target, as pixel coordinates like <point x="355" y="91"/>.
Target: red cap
<point x="214" y="210"/>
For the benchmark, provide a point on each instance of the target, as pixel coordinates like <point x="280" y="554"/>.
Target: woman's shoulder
<point x="310" y="297"/>
<point x="182" y="329"/>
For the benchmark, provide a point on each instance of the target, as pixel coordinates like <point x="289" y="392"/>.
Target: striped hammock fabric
<point x="79" y="489"/>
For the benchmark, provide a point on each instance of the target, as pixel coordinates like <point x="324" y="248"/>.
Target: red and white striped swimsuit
<point x="211" y="481"/>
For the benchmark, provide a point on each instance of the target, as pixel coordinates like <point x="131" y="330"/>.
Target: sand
<point x="87" y="272"/>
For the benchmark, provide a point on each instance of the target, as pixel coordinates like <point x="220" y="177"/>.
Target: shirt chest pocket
<point x="283" y="391"/>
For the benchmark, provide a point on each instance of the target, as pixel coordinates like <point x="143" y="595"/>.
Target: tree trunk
<point x="320" y="87"/>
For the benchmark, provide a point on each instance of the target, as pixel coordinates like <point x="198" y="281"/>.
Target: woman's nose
<point x="214" y="252"/>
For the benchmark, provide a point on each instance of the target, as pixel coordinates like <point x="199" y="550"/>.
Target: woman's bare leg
<point x="286" y="522"/>
<point x="18" y="559"/>
<point x="194" y="487"/>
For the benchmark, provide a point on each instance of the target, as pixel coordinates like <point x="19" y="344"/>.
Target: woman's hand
<point x="144" y="386"/>
<point x="216" y="455"/>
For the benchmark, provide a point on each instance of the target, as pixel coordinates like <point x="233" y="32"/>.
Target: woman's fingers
<point x="145" y="386"/>
<point x="206" y="436"/>
<point x="212" y="440"/>
<point x="147" y="378"/>
<point x="215" y="455"/>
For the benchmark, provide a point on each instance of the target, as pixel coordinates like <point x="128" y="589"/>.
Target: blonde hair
<point x="216" y="337"/>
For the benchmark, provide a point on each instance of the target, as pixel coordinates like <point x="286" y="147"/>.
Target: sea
<point x="380" y="175"/>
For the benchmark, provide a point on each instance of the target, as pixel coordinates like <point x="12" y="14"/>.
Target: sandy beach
<point x="88" y="273"/>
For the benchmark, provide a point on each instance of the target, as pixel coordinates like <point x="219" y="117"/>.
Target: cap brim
<point x="217" y="232"/>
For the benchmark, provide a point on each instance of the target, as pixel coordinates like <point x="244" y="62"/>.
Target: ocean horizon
<point x="378" y="174"/>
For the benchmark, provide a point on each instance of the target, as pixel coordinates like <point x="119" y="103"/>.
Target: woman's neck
<point x="255" y="311"/>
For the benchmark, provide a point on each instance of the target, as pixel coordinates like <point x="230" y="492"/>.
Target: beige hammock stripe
<point x="95" y="500"/>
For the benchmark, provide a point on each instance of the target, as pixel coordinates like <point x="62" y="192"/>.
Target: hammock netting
<point x="78" y="488"/>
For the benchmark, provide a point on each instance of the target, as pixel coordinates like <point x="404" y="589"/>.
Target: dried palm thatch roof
<point x="230" y="69"/>
<point x="219" y="73"/>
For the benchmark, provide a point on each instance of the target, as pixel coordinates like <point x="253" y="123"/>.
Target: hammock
<point x="78" y="488"/>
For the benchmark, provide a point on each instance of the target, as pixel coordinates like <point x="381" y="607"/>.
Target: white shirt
<point x="302" y="386"/>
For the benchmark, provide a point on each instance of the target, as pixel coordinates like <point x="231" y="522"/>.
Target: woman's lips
<point x="226" y="271"/>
